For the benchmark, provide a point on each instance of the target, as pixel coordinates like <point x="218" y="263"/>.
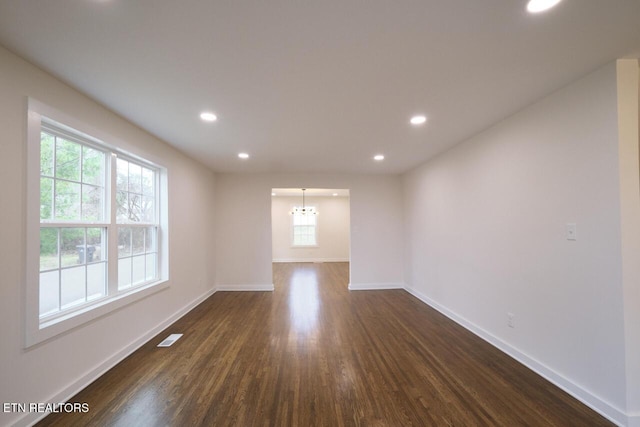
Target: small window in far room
<point x="305" y="226"/>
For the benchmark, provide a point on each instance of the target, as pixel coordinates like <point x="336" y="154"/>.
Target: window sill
<point x="43" y="331"/>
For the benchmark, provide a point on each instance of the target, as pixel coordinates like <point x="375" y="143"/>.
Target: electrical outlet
<point x="511" y="320"/>
<point x="572" y="231"/>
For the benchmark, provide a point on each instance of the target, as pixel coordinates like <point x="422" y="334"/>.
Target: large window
<point x="101" y="234"/>
<point x="304" y="226"/>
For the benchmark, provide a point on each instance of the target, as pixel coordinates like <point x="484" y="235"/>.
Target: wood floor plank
<point x="311" y="353"/>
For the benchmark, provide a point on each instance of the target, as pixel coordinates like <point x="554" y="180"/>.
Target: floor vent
<point x="170" y="340"/>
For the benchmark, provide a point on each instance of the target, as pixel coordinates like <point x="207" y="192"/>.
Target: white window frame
<point x="40" y="329"/>
<point x="293" y="226"/>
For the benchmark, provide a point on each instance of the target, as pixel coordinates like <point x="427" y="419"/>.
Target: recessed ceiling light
<point x="335" y="194"/>
<point x="378" y="157"/>
<point x="243" y="155"/>
<point x="536" y="6"/>
<point x="208" y="117"/>
<point x="418" y="120"/>
<point x="273" y="194"/>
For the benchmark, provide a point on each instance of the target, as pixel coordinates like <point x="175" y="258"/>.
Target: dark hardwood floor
<point x="314" y="354"/>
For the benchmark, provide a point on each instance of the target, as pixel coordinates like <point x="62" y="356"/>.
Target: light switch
<point x="571" y="231"/>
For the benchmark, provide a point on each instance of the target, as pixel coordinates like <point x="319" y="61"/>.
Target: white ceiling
<point x="317" y="86"/>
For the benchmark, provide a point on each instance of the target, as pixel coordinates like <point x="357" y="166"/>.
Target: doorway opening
<point x="310" y="225"/>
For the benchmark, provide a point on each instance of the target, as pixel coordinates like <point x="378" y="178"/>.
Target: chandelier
<point x="303" y="210"/>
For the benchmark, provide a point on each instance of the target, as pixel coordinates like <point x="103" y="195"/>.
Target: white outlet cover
<point x="572" y="232"/>
<point x="510" y="320"/>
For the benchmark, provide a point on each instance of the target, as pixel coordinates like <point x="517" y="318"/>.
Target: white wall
<point x="243" y="227"/>
<point x="485" y="235"/>
<point x="332" y="230"/>
<point x="629" y="159"/>
<point x="56" y="369"/>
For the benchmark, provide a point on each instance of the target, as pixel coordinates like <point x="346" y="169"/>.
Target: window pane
<point x="72" y="247"/>
<point x="72" y="289"/>
<point x="148" y="209"/>
<point x="46" y="198"/>
<point x="304" y="235"/>
<point x="304" y="229"/>
<point x="148" y="182"/>
<point x="49" y="293"/>
<point x="150" y="239"/>
<point x="48" y="248"/>
<point x="67" y="201"/>
<point x="91" y="203"/>
<point x="67" y="160"/>
<point x="92" y="166"/>
<point x="122" y="180"/>
<point x="122" y="212"/>
<point x="124" y="273"/>
<point x="95" y="244"/>
<point x="135" y="207"/>
<point x="307" y="219"/>
<point x="96" y="280"/>
<point x="46" y="154"/>
<point x="138" y="269"/>
<point x="150" y="267"/>
<point x="129" y="207"/>
<point x="135" y="178"/>
<point x="124" y="242"/>
<point x="137" y="237"/>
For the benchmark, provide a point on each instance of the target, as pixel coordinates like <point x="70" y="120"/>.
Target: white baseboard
<point x="634" y="420"/>
<point x="311" y="260"/>
<point x="605" y="409"/>
<point x="78" y="385"/>
<point x="246" y="287"/>
<point x="374" y="286"/>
